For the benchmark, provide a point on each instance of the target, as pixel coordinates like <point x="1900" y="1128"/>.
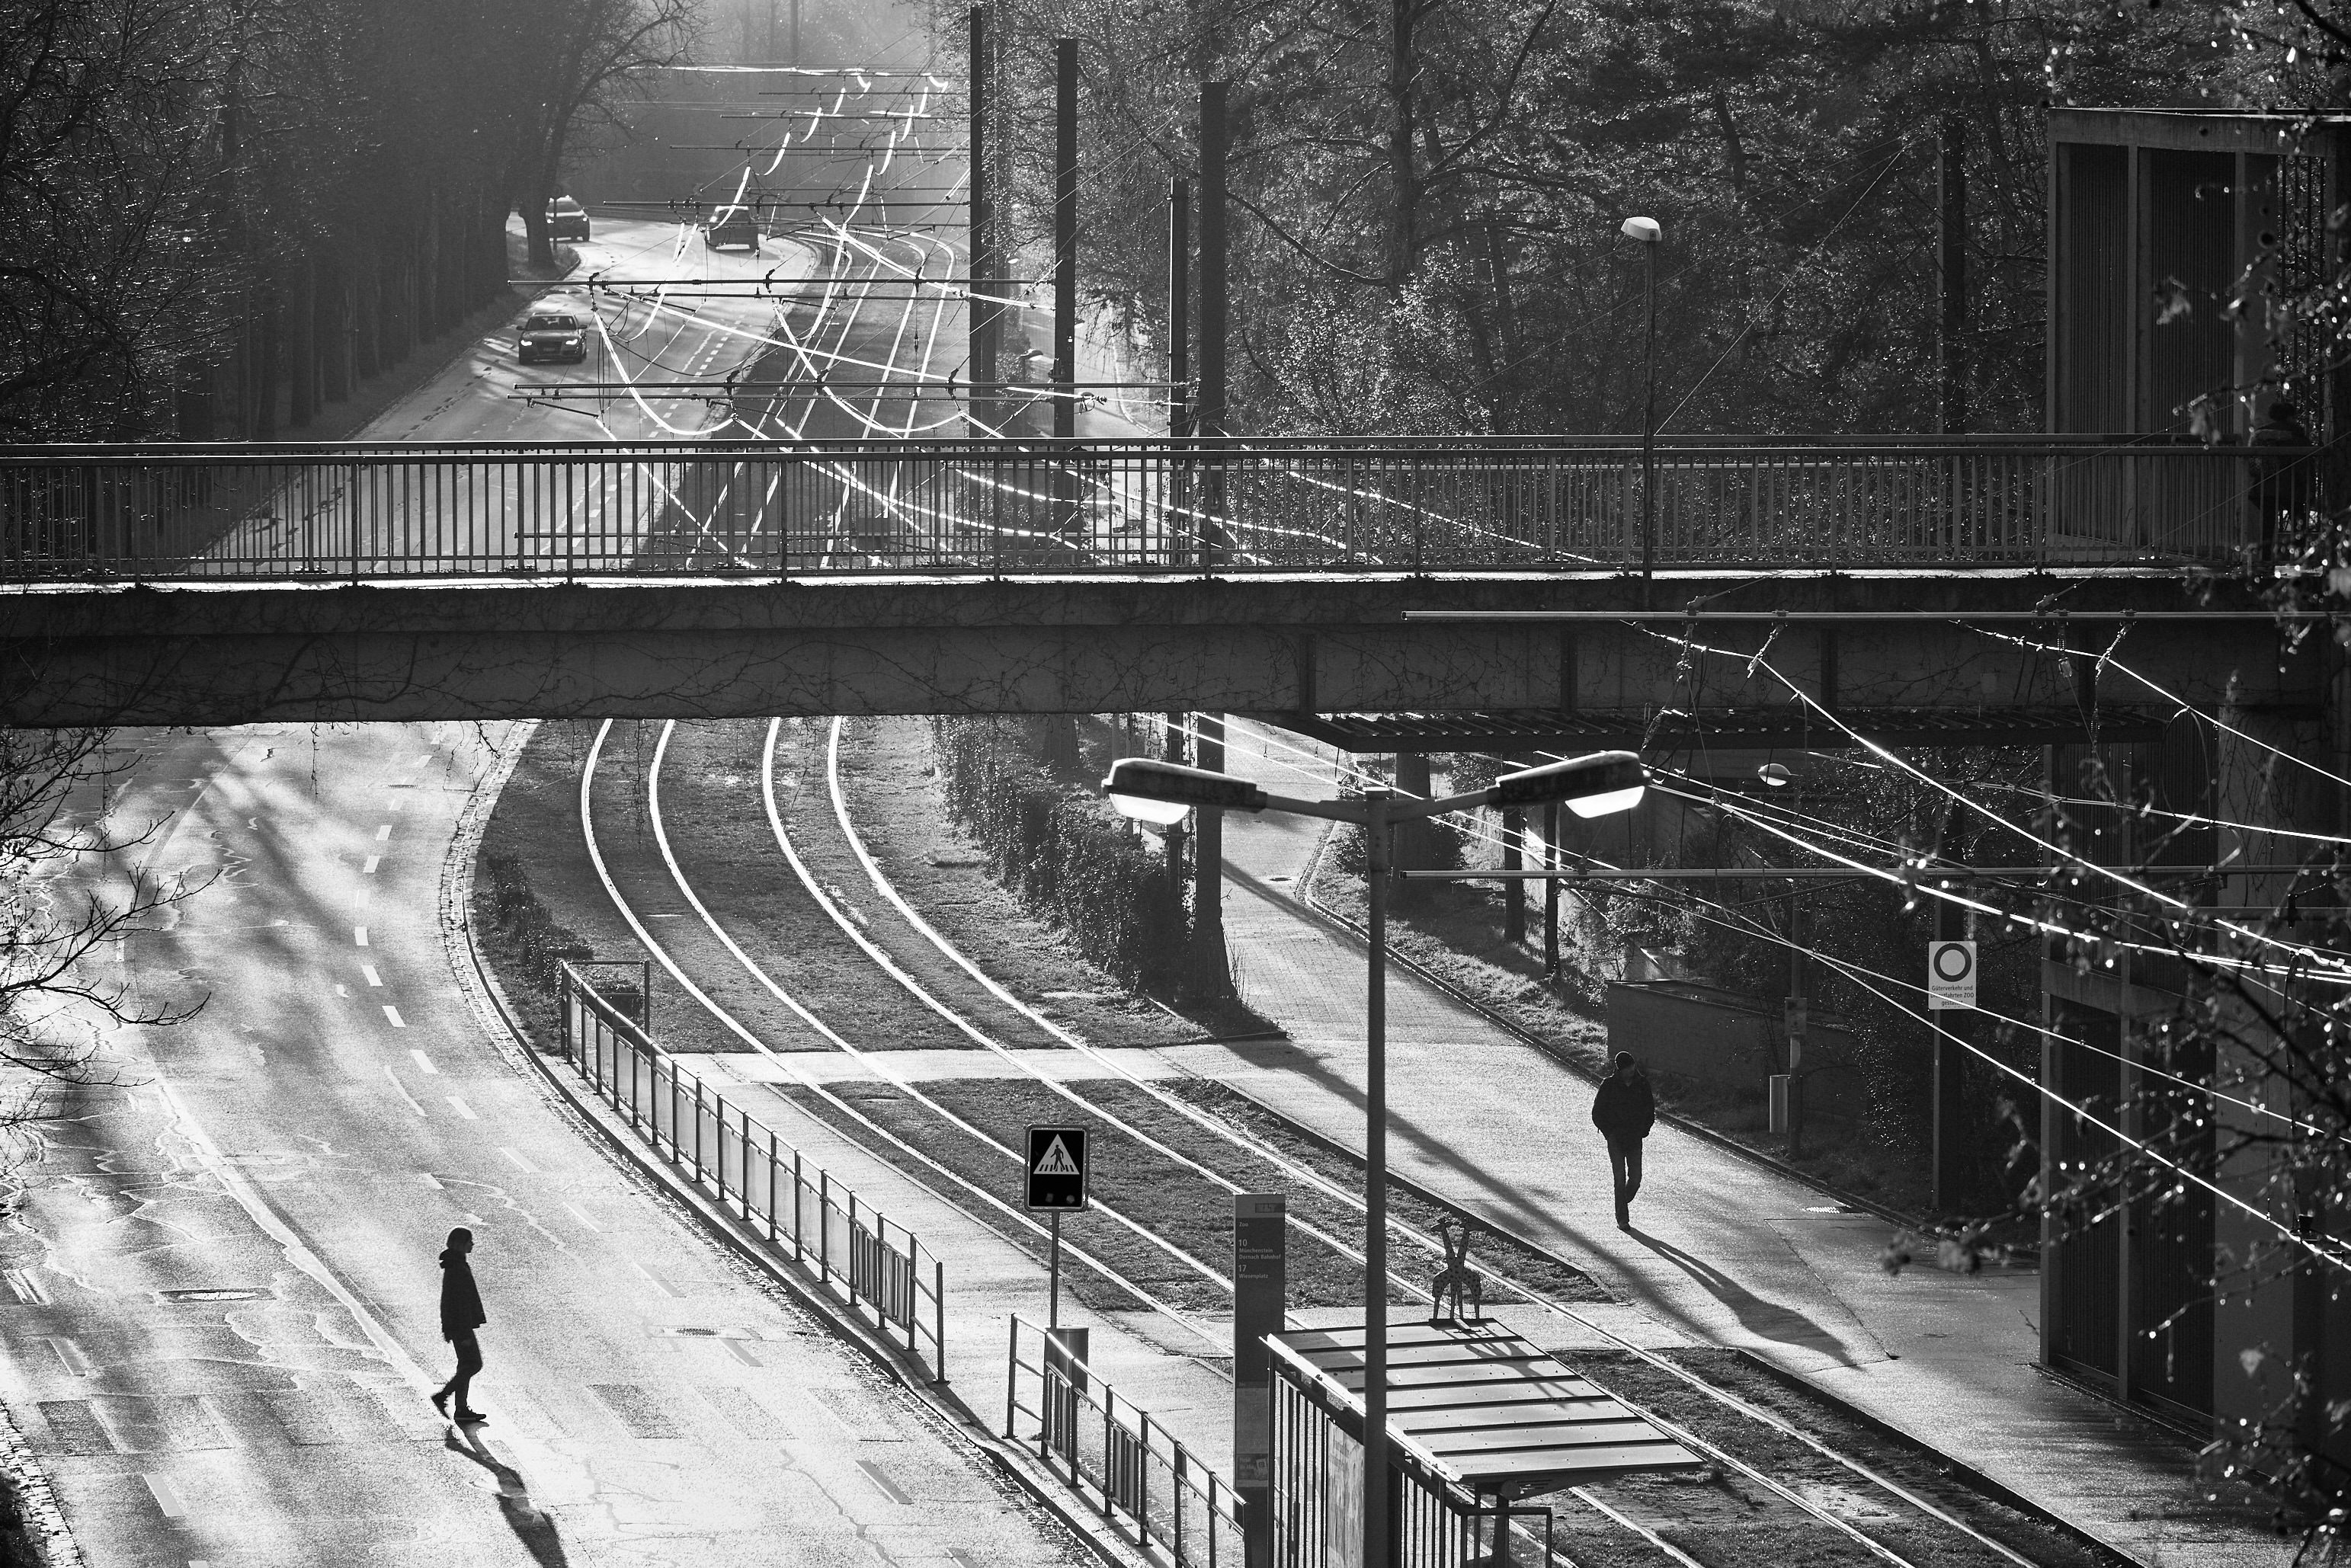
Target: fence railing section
<point x="1318" y="1501"/>
<point x="1107" y="1448"/>
<point x="857" y="1252"/>
<point x="767" y="510"/>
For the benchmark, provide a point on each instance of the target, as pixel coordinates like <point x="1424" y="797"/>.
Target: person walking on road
<point x="461" y="1314"/>
<point x="1624" y="1110"/>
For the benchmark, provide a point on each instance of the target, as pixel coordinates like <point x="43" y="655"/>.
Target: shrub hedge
<point x="1065" y="853"/>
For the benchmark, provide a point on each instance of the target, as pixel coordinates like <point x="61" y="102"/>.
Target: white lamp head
<point x="1645" y="230"/>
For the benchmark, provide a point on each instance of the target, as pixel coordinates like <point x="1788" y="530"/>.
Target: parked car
<point x="566" y="219"/>
<point x="552" y="335"/>
<point x="733" y="225"/>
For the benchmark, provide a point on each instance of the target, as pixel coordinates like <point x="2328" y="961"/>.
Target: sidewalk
<point x="1150" y="1361"/>
<point x="1723" y="1250"/>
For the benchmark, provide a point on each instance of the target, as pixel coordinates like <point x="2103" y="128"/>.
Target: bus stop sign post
<point x="1057" y="1184"/>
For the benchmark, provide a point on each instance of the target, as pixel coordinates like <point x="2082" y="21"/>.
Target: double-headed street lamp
<point x="1161" y="792"/>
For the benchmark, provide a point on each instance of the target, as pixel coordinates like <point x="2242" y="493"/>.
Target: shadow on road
<point x="534" y="1530"/>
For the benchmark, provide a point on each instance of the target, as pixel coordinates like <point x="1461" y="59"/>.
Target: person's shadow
<point x="534" y="1530"/>
<point x="1766" y="1320"/>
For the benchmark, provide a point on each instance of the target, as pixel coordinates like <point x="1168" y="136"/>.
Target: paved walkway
<point x="1722" y="1250"/>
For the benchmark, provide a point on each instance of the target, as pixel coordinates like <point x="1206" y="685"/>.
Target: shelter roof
<point x="1484" y="1407"/>
<point x="1781" y="726"/>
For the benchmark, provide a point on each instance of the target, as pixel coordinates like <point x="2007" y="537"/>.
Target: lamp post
<point x="1649" y="233"/>
<point x="1162" y="792"/>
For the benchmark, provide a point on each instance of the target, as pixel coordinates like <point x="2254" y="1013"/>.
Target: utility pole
<point x="1212" y="972"/>
<point x="1797" y="1015"/>
<point x="986" y="314"/>
<point x="1951" y="925"/>
<point x="1208" y="413"/>
<point x="1952" y="204"/>
<point x="1180" y="308"/>
<point x="1065" y="237"/>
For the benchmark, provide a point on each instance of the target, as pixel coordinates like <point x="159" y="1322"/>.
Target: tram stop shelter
<point x="1478" y="1420"/>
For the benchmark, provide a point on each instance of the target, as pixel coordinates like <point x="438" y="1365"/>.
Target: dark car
<point x="733" y="225"/>
<point x="566" y="219"/>
<point x="552" y="335"/>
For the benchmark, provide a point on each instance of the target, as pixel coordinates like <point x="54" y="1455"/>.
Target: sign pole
<point x="1259" y="1287"/>
<point x="1053" y="1280"/>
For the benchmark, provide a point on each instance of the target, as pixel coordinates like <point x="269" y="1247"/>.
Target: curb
<point x="457" y="932"/>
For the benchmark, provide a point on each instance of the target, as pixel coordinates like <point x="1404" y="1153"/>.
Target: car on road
<point x="566" y="219"/>
<point x="733" y="225"/>
<point x="552" y="335"/>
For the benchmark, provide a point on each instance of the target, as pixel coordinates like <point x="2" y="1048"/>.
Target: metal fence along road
<point x="856" y="1252"/>
<point x="770" y="509"/>
<point x="1107" y="1449"/>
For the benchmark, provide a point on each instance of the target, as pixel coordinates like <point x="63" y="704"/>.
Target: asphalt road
<point x="218" y="1295"/>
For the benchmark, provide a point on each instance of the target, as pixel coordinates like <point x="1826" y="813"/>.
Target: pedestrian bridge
<point x="764" y="510"/>
<point x="207" y="585"/>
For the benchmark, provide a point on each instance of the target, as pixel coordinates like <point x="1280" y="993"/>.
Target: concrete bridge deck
<point x="1977" y="642"/>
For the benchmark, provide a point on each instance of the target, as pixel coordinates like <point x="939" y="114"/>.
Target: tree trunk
<point x="1403" y="177"/>
<point x="302" y="345"/>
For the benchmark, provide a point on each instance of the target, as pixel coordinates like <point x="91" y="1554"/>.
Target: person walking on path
<point x="1624" y="1110"/>
<point x="461" y="1314"/>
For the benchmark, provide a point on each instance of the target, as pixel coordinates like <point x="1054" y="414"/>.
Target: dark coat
<point x="461" y="1302"/>
<point x="1624" y="1110"/>
<point x="2281" y="483"/>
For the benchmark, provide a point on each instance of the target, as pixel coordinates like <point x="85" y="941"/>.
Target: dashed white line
<point x="373" y="978"/>
<point x="167" y="1496"/>
<point x="457" y="1104"/>
<point x="427" y="1177"/>
<point x="28" y="1289"/>
<point x="581" y="1216"/>
<point x="392" y="1013"/>
<point x="521" y="1163"/>
<point x="383" y="831"/>
<point x="424" y="1062"/>
<point x="373" y="862"/>
<point x="358" y="936"/>
<point x="69" y="1357"/>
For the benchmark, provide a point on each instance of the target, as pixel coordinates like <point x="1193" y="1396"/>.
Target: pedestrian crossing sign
<point x="1057" y="1168"/>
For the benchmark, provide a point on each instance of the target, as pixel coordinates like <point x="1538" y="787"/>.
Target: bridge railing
<point x="765" y="510"/>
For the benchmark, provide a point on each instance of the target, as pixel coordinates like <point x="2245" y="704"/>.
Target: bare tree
<point x="578" y="58"/>
<point x="57" y="922"/>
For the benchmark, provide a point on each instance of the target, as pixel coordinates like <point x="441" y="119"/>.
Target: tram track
<point x="961" y="1008"/>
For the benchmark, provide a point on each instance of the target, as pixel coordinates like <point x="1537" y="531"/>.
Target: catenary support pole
<point x="1210" y="978"/>
<point x="1951" y="925"/>
<point x="1376" y="1187"/>
<point x="1065" y="237"/>
<point x="1179" y="306"/>
<point x="1952" y="206"/>
<point x="1208" y="412"/>
<point x="985" y="313"/>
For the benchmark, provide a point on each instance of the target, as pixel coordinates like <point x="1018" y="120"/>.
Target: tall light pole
<point x="1162" y="792"/>
<point x="1649" y="233"/>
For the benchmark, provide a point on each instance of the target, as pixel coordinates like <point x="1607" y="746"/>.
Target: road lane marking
<point x="373" y="978"/>
<point x="28" y="1289"/>
<point x="365" y="894"/>
<point x="358" y="936"/>
<point x="889" y="1487"/>
<point x="296" y="1250"/>
<point x="373" y="862"/>
<point x="167" y="1496"/>
<point x="402" y="1089"/>
<point x="70" y="1357"/>
<point x="383" y="831"/>
<point x="521" y="1163"/>
<point x="427" y="1177"/>
<point x="580" y="1215"/>
<point x="392" y="1013"/>
<point x="664" y="1286"/>
<point x="457" y="1104"/>
<point x="425" y="1064"/>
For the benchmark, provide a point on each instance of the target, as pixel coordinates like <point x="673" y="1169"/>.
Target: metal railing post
<point x="939" y="1319"/>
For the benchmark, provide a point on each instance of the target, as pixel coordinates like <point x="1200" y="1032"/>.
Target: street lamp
<point x="1649" y="233"/>
<point x="1161" y="792"/>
